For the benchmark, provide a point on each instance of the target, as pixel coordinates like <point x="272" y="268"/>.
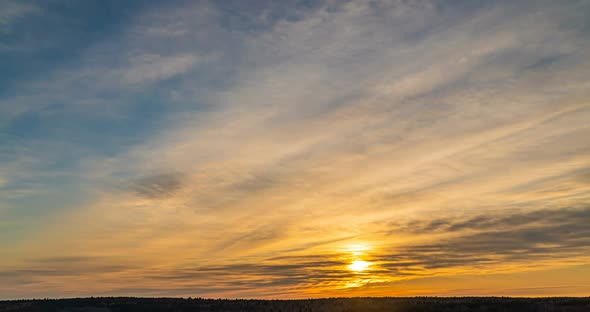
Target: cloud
<point x="526" y="241"/>
<point x="500" y="220"/>
<point x="488" y="241"/>
<point x="234" y="158"/>
<point x="13" y="11"/>
<point x="157" y="186"/>
<point x="148" y="68"/>
<point x="51" y="271"/>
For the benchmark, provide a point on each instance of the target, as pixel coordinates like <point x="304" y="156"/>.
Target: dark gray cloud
<point x="43" y="269"/>
<point x="300" y="269"/>
<point x="494" y="221"/>
<point x="488" y="240"/>
<point x="158" y="185"/>
<point x="249" y="276"/>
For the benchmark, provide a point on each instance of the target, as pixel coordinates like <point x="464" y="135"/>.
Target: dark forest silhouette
<point x="123" y="304"/>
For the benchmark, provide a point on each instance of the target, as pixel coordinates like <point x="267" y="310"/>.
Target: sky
<point x="294" y="149"/>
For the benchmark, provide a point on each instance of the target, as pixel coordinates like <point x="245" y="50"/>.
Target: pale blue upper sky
<point x="288" y="128"/>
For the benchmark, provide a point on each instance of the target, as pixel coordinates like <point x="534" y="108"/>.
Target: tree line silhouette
<point x="394" y="304"/>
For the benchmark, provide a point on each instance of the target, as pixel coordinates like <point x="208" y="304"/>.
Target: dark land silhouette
<point x="122" y="304"/>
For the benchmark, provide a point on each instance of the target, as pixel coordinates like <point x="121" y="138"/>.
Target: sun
<point x="359" y="265"/>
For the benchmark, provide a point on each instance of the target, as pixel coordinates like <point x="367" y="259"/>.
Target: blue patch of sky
<point x="98" y="133"/>
<point x="57" y="34"/>
<point x="64" y="30"/>
<point x="256" y="16"/>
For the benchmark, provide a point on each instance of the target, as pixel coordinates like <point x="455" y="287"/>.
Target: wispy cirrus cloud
<point x="154" y="67"/>
<point x="257" y="147"/>
<point x="13" y="11"/>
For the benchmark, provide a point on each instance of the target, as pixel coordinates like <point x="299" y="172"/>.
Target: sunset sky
<point x="294" y="149"/>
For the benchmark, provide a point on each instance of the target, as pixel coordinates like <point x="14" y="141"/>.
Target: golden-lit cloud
<point x="361" y="148"/>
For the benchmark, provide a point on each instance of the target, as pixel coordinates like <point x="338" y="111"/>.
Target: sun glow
<point x="358" y="249"/>
<point x="358" y="265"/>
